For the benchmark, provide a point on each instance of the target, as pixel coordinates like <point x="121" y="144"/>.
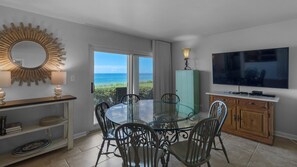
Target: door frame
<point x="102" y="48"/>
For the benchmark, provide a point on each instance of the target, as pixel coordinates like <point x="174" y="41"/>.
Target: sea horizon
<point x="113" y="78"/>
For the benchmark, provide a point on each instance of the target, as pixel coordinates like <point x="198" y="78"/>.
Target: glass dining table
<point x="174" y="120"/>
<point x="169" y="120"/>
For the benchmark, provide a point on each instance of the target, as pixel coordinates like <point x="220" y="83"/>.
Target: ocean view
<point x="112" y="78"/>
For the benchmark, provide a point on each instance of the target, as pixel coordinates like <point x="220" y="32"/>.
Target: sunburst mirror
<point x="29" y="53"/>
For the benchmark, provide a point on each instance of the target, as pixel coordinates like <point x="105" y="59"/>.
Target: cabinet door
<point x="230" y="122"/>
<point x="185" y="87"/>
<point x="253" y="121"/>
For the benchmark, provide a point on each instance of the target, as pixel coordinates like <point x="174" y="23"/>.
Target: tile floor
<point x="241" y="152"/>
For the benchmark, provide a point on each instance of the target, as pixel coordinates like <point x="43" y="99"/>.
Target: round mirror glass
<point x="28" y="54"/>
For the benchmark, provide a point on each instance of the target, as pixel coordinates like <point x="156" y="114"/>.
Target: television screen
<point x="260" y="68"/>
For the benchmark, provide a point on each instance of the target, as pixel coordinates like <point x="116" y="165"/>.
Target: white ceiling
<point x="170" y="20"/>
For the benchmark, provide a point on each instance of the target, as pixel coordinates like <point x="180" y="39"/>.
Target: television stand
<point x="248" y="116"/>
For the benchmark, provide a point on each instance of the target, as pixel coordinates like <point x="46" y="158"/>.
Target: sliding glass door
<point x="115" y="75"/>
<point x="145" y="77"/>
<point x="110" y="77"/>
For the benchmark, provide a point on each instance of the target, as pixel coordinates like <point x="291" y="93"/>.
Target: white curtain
<point x="162" y="68"/>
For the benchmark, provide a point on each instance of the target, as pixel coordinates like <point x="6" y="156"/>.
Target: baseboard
<point x="79" y="135"/>
<point x="285" y="135"/>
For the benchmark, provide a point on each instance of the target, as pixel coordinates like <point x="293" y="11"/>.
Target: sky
<point x="117" y="63"/>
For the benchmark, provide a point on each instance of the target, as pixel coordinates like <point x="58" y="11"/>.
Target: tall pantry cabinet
<point x="187" y="88"/>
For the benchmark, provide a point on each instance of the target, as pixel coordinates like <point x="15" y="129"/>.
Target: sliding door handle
<point x="92" y="87"/>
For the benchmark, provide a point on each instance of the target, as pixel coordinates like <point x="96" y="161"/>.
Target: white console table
<point x="67" y="122"/>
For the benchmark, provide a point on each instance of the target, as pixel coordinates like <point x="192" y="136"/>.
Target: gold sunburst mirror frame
<point x="10" y="36"/>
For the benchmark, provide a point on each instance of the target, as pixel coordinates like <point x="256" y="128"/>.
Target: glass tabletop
<point x="157" y="114"/>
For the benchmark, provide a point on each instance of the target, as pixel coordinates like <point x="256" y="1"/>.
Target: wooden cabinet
<point x="6" y="158"/>
<point x="187" y="88"/>
<point x="249" y="117"/>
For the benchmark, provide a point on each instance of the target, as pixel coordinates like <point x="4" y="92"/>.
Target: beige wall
<point x="282" y="34"/>
<point x="76" y="39"/>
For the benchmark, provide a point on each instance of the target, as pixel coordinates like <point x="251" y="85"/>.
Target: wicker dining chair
<point x="138" y="145"/>
<point x="196" y="150"/>
<point x="107" y="128"/>
<point x="130" y="98"/>
<point x="219" y="110"/>
<point x="170" y="98"/>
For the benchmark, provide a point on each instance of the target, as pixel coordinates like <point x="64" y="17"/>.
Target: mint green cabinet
<point x="187" y="88"/>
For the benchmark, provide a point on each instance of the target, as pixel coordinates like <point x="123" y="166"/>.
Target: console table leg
<point x="70" y="125"/>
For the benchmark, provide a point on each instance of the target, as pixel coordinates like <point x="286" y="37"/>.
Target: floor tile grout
<point x="252" y="154"/>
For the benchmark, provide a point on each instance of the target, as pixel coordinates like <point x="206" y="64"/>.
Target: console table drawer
<point x="253" y="104"/>
<point x="227" y="100"/>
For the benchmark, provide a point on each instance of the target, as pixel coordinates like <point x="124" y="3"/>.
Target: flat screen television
<point x="259" y="68"/>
